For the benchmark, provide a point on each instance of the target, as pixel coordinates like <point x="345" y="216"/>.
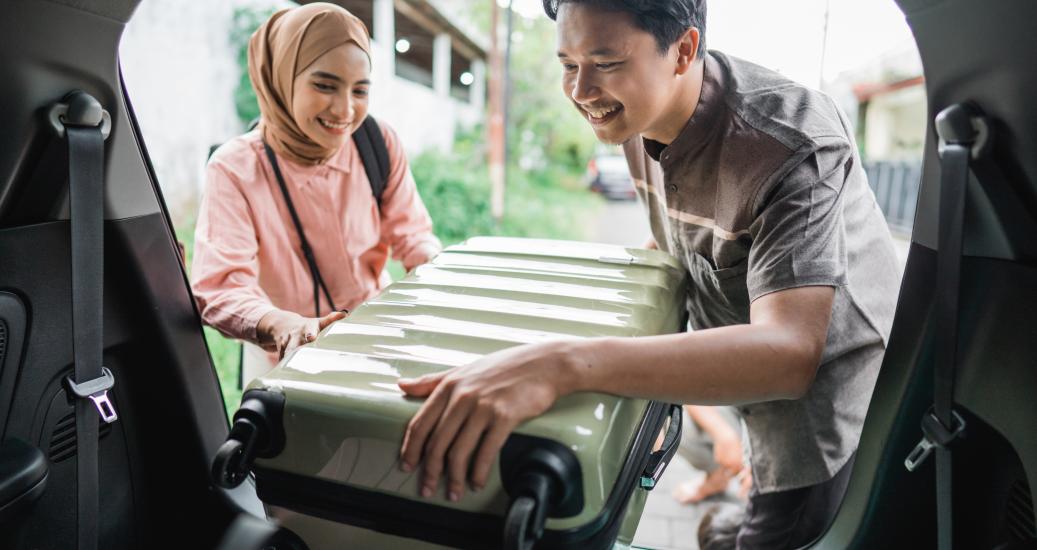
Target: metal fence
<point x="896" y="189"/>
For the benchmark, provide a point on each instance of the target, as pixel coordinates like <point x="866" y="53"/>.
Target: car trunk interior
<point x="978" y="52"/>
<point x="154" y="461"/>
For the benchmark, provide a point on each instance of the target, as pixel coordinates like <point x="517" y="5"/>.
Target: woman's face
<point x="330" y="96"/>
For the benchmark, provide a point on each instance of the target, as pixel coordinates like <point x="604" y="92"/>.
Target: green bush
<point x="456" y="194"/>
<point x="245" y="21"/>
<point x="550" y="203"/>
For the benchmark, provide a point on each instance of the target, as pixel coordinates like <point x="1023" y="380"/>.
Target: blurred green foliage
<point x="245" y="21"/>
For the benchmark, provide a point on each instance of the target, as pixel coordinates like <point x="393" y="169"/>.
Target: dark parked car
<point x="119" y="457"/>
<point x="608" y="174"/>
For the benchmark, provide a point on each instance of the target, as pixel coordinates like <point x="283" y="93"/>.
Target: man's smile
<point x="600" y="115"/>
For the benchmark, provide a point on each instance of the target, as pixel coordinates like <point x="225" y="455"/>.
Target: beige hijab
<point x="279" y="51"/>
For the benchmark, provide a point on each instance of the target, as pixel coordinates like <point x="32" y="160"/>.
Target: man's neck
<point x="682" y="107"/>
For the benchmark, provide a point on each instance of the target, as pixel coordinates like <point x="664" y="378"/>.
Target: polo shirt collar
<point x="342" y="160"/>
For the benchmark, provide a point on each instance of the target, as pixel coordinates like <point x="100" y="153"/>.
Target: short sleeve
<point x="798" y="234"/>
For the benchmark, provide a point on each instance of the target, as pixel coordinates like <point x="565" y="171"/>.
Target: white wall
<point x="422" y="118"/>
<point x="896" y="125"/>
<point x="180" y="75"/>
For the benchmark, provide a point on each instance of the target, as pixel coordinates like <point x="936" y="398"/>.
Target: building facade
<point x="181" y="71"/>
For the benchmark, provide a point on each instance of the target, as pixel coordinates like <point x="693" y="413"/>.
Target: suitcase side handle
<point x="660" y="459"/>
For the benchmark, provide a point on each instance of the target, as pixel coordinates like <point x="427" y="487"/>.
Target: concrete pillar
<point x="478" y="87"/>
<point x="385" y="39"/>
<point x="441" y="65"/>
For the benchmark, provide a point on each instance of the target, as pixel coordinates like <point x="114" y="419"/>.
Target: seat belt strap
<point x="964" y="137"/>
<point x="86" y="126"/>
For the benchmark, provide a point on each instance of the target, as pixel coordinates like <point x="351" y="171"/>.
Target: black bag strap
<point x="964" y="137"/>
<point x="307" y="252"/>
<point x="80" y="118"/>
<point x="375" y="156"/>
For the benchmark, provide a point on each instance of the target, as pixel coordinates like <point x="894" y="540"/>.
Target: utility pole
<point x="495" y="128"/>
<point x="824" y="47"/>
<point x="507" y="87"/>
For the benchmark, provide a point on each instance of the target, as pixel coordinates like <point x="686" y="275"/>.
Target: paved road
<point x="623" y="222"/>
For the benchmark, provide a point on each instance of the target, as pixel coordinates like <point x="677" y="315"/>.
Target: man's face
<point x="613" y="71"/>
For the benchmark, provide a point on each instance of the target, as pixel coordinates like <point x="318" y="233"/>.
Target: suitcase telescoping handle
<point x="660" y="459"/>
<point x="257" y="432"/>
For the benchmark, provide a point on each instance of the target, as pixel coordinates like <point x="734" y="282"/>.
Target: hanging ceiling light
<point x="403" y="45"/>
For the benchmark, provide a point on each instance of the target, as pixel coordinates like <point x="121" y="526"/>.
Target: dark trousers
<point x="794" y="518"/>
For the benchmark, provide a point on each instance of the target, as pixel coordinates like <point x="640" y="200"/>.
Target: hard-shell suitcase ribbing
<point x="330" y="419"/>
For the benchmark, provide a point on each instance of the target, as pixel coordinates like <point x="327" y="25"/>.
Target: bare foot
<point x="689" y="492"/>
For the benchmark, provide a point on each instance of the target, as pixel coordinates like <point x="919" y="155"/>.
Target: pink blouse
<point x="247" y="260"/>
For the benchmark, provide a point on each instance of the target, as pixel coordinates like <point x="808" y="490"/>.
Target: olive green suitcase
<point x="325" y="427"/>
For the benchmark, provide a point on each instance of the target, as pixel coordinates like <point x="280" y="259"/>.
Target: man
<point x="753" y="183"/>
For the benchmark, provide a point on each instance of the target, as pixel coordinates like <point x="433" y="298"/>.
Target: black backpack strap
<point x="375" y="156"/>
<point x="964" y="138"/>
<point x="85" y="124"/>
<point x="307" y="252"/>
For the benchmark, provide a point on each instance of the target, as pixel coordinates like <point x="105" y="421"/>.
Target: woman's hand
<point x="471" y="410"/>
<point x="424" y="253"/>
<point x="282" y="331"/>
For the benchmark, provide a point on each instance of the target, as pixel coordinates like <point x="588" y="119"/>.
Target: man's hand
<point x="471" y="410"/>
<point x="282" y="331"/>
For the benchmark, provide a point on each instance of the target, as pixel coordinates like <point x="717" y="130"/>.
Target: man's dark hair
<point x="666" y="20"/>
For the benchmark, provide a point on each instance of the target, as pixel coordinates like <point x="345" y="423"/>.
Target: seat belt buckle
<point x="935" y="436"/>
<point x="96" y="390"/>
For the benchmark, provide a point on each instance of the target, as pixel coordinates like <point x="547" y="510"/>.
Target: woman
<point x="310" y="67"/>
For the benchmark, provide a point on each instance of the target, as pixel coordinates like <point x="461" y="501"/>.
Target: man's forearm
<point x="722" y="366"/>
